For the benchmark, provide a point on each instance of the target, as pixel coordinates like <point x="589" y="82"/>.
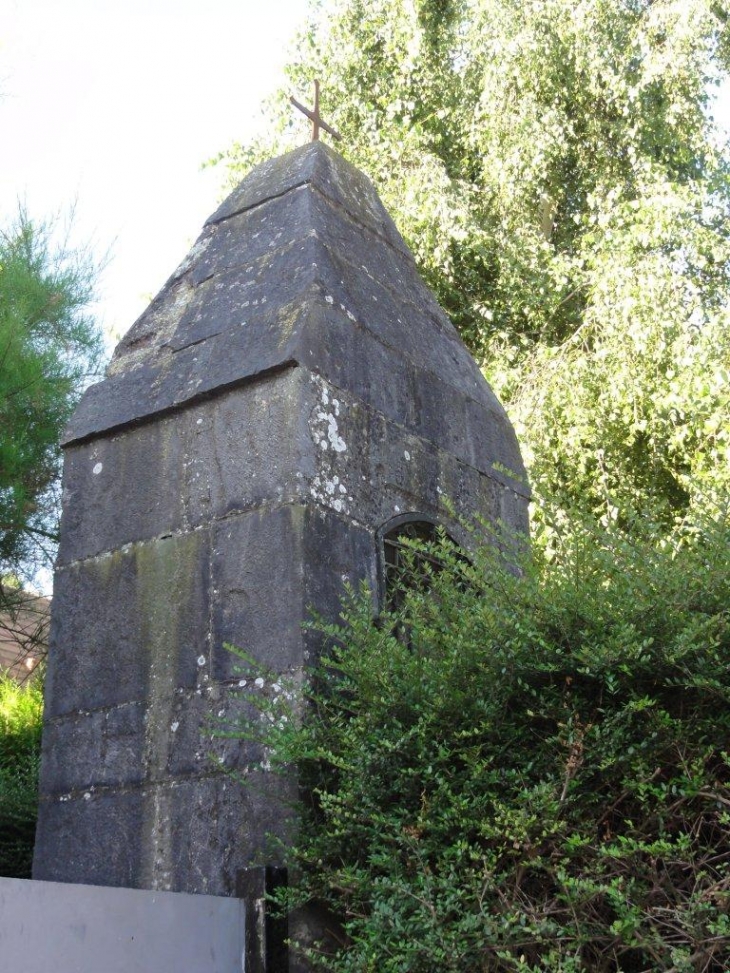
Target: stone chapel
<point x="291" y="399"/>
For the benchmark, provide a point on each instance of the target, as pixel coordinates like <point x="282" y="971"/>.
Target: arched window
<point x="400" y="566"/>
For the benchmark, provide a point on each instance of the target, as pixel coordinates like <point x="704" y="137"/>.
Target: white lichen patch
<point x="330" y="492"/>
<point x="98" y="467"/>
<point x="201" y="660"/>
<point x="174" y="727"/>
<point x="336" y="441"/>
<point x="325" y="430"/>
<point x="327" y="487"/>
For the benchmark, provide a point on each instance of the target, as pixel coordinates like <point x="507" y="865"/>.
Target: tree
<point x="49" y="348"/>
<point x="554" y="167"/>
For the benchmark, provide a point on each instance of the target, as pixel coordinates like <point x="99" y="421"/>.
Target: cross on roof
<point x="316" y="118"/>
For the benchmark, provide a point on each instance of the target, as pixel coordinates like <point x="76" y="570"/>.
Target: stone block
<point x="250" y="301"/>
<point x="193" y="373"/>
<point x="352" y="358"/>
<point x="96" y="658"/>
<point x="123" y="488"/>
<point x="197" y="745"/>
<point x="252" y="446"/>
<point x="193" y="835"/>
<point x="384" y="471"/>
<point x="95" y="840"/>
<point x="258" y="589"/>
<point x="514" y="513"/>
<point x="241" y="239"/>
<point x="215" y="827"/>
<point x="337" y="553"/>
<point x="494" y="447"/>
<point x="118" y="401"/>
<point x="245" y="448"/>
<point x="366" y="257"/>
<point x="332" y="176"/>
<point x="129" y="624"/>
<point x="92" y="749"/>
<point x="271" y="569"/>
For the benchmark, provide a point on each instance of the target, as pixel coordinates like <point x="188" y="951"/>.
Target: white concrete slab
<point x="52" y="927"/>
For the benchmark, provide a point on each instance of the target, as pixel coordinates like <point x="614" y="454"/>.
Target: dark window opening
<point x="402" y="567"/>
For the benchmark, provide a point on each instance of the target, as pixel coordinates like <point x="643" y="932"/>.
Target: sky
<point x="109" y="109"/>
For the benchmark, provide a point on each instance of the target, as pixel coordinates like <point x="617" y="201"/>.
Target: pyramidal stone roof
<point x="302" y="266"/>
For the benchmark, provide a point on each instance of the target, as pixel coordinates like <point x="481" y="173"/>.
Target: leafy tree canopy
<point x="49" y="348"/>
<point x="554" y="167"/>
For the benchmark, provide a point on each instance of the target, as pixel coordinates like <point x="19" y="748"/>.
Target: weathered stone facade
<point x="293" y="388"/>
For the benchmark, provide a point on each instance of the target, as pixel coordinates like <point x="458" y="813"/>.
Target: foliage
<point x="49" y="348"/>
<point x="21" y="709"/>
<point x="538" y="777"/>
<point x="554" y="167"/>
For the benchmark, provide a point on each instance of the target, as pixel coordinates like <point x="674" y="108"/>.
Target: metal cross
<point x="315" y="117"/>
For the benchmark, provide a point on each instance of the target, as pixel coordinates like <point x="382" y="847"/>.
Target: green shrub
<point x="537" y="778"/>
<point x="21" y="709"/>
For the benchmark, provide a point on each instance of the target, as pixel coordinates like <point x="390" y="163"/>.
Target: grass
<point x="21" y="711"/>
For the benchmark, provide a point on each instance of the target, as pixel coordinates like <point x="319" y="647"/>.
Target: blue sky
<point x="111" y="108"/>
